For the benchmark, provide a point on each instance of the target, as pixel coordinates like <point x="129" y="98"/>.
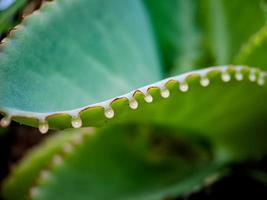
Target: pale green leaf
<point x="73" y="53"/>
<point x="232" y="99"/>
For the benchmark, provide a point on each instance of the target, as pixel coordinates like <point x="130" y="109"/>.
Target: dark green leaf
<point x="178" y="32"/>
<point x="123" y="162"/>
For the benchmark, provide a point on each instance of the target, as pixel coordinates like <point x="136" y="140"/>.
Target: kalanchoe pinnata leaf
<point x="63" y="84"/>
<point x="229" y="24"/>
<point x="222" y="104"/>
<point x="86" y="73"/>
<point x="119" y="162"/>
<point x="190" y="101"/>
<point x="58" y="61"/>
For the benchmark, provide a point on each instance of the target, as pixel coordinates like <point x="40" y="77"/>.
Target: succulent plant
<point x="160" y="98"/>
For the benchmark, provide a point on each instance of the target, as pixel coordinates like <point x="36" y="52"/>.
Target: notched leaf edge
<point x="56" y="160"/>
<point x="102" y="112"/>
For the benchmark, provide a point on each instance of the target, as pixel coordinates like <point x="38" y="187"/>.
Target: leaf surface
<point x="76" y="52"/>
<point x="24" y="175"/>
<point x="121" y="162"/>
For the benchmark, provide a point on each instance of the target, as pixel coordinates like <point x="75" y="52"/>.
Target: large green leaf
<point x="186" y="105"/>
<point x="231" y="106"/>
<point x="73" y="53"/>
<point x="75" y="77"/>
<point x="123" y="162"/>
<point x="67" y="80"/>
<point x="229" y="24"/>
<point x="177" y="29"/>
<point x="207" y="104"/>
<point x="232" y="99"/>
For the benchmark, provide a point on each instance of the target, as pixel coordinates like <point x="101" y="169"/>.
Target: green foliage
<point x="79" y="63"/>
<point x="114" y="162"/>
<point x="188" y="30"/>
<point x="229" y="24"/>
<point x="7" y="15"/>
<point x="177" y="29"/>
<point x="69" y="68"/>
<point x="31" y="166"/>
<point x="253" y="52"/>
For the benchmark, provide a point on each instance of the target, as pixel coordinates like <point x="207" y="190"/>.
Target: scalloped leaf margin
<point x="102" y="112"/>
